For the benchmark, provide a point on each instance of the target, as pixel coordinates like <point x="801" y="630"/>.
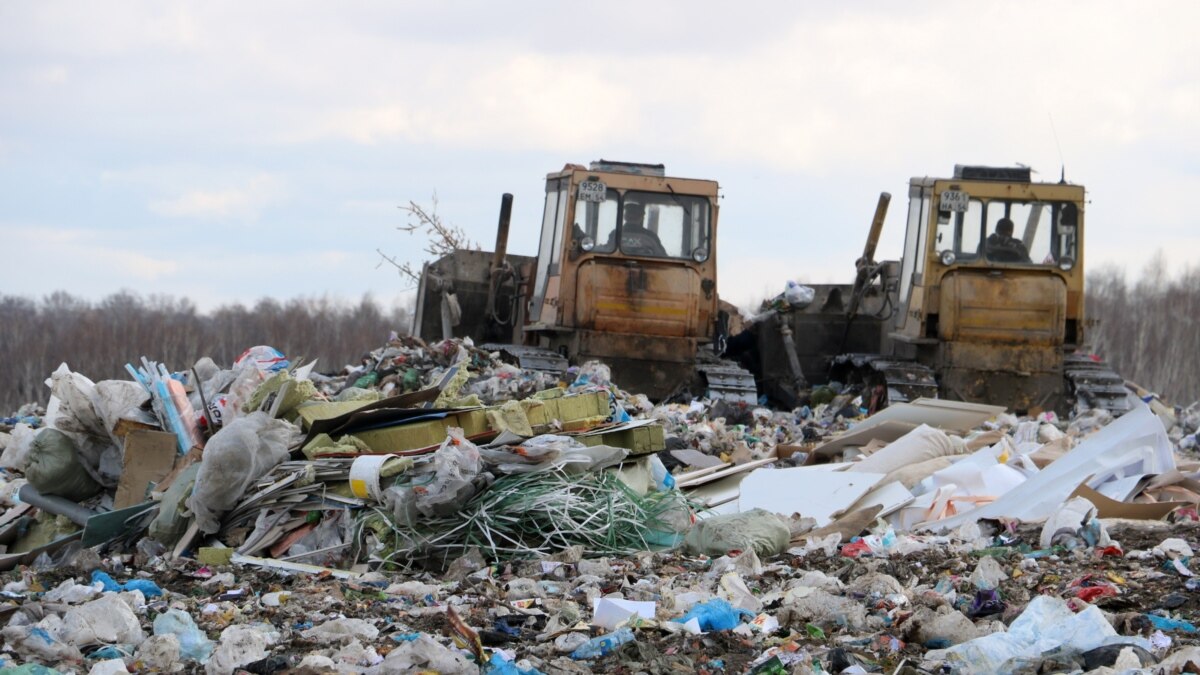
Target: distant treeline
<point x="97" y="339"/>
<point x="1146" y="330"/>
<point x="1147" y="327"/>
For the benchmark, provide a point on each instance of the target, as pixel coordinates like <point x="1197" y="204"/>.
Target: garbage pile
<point x="434" y="508"/>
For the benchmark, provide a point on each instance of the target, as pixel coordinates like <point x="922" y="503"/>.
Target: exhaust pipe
<point x="498" y="258"/>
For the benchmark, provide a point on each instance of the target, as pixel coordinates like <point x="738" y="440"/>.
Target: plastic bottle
<point x="605" y="644"/>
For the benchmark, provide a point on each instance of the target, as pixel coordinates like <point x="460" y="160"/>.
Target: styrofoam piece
<point x="1132" y="445"/>
<point x="891" y="496"/>
<point x="609" y="613"/>
<point x="946" y="415"/>
<point x="809" y="491"/>
<point x="862" y="434"/>
<point x="719" y="497"/>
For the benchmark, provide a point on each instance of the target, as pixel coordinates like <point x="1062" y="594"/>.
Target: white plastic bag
<point x="234" y="458"/>
<point x="108" y="620"/>
<point x="798" y="296"/>
<point x="75" y="413"/>
<point x="1047" y="623"/>
<point x="16" y="454"/>
<point x="241" y="644"/>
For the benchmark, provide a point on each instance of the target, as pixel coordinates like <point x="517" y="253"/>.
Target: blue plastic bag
<point x="498" y="665"/>
<point x="716" y="614"/>
<point x="148" y="588"/>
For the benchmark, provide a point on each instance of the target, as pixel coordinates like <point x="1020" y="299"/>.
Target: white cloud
<point x="243" y="203"/>
<point x="464" y="96"/>
<point x="52" y="74"/>
<point x="76" y="254"/>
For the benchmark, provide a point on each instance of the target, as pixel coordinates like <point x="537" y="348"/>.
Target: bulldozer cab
<point x="991" y="280"/>
<point x="625" y="249"/>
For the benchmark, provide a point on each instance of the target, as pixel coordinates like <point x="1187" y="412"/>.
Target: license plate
<point x="954" y="200"/>
<point x="592" y="191"/>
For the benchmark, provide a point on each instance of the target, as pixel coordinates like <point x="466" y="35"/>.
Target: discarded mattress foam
<point x="1134" y="444"/>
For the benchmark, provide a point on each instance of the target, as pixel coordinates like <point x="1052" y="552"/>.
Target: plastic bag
<point x="456" y="465"/>
<point x="73" y="410"/>
<point x="241" y="644"/>
<point x="108" y="620"/>
<point x="342" y="631"/>
<point x="1047" y="623"/>
<point x="76" y="411"/>
<point x="234" y="458"/>
<point x="40" y="641"/>
<point x="325" y="545"/>
<point x="765" y="532"/>
<point x="716" y="614"/>
<point x="16" y="453"/>
<point x="158" y="653"/>
<point x="54" y="468"/>
<point x="194" y="645"/>
<point x="542" y="453"/>
<point x="424" y="654"/>
<point x="115" y="399"/>
<point x="798" y="296"/>
<point x="250" y="370"/>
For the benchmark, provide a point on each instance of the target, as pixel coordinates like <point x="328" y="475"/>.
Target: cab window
<point x="1001" y="231"/>
<point x="664" y="225"/>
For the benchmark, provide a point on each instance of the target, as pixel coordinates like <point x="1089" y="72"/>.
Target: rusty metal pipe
<point x="881" y="208"/>
<point x="501" y="252"/>
<point x="506" y="201"/>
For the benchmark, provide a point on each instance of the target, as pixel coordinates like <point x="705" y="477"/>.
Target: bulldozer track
<point x="1092" y="384"/>
<point x="903" y="380"/>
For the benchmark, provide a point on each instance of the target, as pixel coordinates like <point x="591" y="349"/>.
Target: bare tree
<point x="99" y="339"/>
<point x="441" y="238"/>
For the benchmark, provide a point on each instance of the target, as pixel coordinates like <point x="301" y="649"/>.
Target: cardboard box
<point x="639" y="440"/>
<point x="427" y="433"/>
<point x="149" y="458"/>
<point x="575" y="413"/>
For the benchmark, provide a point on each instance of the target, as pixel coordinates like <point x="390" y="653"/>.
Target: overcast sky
<point x="228" y="151"/>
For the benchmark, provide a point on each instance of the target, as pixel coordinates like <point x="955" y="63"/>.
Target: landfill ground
<point x="891" y="638"/>
<point x="578" y="528"/>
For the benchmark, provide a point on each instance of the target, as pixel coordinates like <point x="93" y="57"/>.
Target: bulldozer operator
<point x="635" y="238"/>
<point x="1002" y="246"/>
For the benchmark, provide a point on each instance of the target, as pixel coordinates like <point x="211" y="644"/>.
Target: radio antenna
<point x="1061" y="162"/>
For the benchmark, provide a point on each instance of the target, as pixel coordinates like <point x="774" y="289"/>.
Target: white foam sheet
<point x="808" y="491"/>
<point x="890" y="496"/>
<point x="1132" y="445"/>
<point x="938" y="413"/>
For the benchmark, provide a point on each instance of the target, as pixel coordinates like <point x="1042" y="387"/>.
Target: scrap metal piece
<point x="529" y="358"/>
<point x="729" y="381"/>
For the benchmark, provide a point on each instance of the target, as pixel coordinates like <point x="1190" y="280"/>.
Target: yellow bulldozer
<point x="986" y="303"/>
<point x="626" y="272"/>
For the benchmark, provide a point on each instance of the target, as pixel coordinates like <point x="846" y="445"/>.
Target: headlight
<point x="1065" y="264"/>
<point x="700" y="254"/>
<point x="948" y="257"/>
<point x="587" y="244"/>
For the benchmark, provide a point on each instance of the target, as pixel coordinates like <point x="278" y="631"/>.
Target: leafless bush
<point x="98" y="339"/>
<point x="441" y="237"/>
